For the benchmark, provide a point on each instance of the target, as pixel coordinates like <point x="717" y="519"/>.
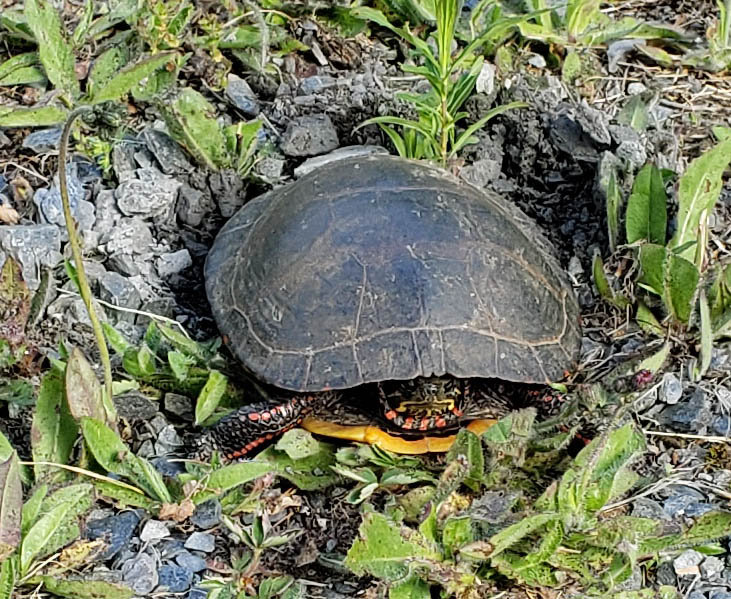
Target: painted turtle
<point x="387" y="287"/>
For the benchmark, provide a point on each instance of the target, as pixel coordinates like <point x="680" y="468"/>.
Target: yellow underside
<point x="376" y="436"/>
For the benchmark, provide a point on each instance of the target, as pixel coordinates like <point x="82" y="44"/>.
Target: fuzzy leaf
<point x="83" y="390"/>
<point x="32" y="117"/>
<point x="11" y="504"/>
<point x="80" y="498"/>
<point x="22" y="70"/>
<point x="233" y="475"/>
<point x="210" y="396"/>
<point x="121" y="83"/>
<point x="515" y="532"/>
<point x="698" y="190"/>
<point x="384" y="548"/>
<point x="55" y="52"/>
<point x="681" y="284"/>
<point x="647" y="207"/>
<point x="8" y="575"/>
<point x="54" y="430"/>
<point x="39" y="535"/>
<point x="411" y="588"/>
<point x="86" y="589"/>
<point x="470" y="446"/>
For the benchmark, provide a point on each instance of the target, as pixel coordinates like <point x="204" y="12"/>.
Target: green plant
<point x="717" y="56"/>
<point x="55" y="62"/>
<point x="547" y="542"/>
<point x="676" y="269"/>
<point x="435" y="134"/>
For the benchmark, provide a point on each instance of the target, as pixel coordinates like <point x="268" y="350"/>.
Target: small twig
<point x="89" y="473"/>
<point x="708" y="439"/>
<point x="263" y="30"/>
<point x="84" y="287"/>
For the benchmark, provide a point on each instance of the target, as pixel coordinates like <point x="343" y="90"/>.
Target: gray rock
<point x="227" y="189"/>
<point x="191" y="562"/>
<point x="636" y="88"/>
<point x="207" y="514"/>
<point x="201" y="541"/>
<point x="697" y="595"/>
<point x="171" y="548"/>
<point x="712" y="567"/>
<point x="167" y="441"/>
<point x="173" y="263"/>
<point x="167" y="467"/>
<point x="481" y="172"/>
<point x="43" y="140"/>
<point x="633" y="152"/>
<point x="169" y="154"/>
<point x="270" y="169"/>
<point x="133" y="405"/>
<point x="4" y="140"/>
<point x="154" y="530"/>
<point x="691" y="416"/>
<point x="140" y="574"/>
<point x="680" y="502"/>
<point x="180" y="405"/>
<point x="116" y="532"/>
<point x="719" y="594"/>
<point x="147" y="198"/>
<point x="240" y="94"/>
<point x="77" y="311"/>
<point x="107" y="213"/>
<point x="175" y="579"/>
<point x="665" y="574"/>
<point x="130" y="236"/>
<point x="616" y="51"/>
<point x="125" y="264"/>
<point x="643" y="507"/>
<point x="316" y="84"/>
<point x="33" y="247"/>
<point x="123" y="159"/>
<point x="594" y="122"/>
<point x="312" y="164"/>
<point x="117" y="290"/>
<point x="193" y="206"/>
<point x="568" y="136"/>
<point x="197" y="593"/>
<point x="309" y="136"/>
<point x="672" y="388"/>
<point x="721" y="425"/>
<point x="537" y="61"/>
<point x="49" y="203"/>
<point x="688" y="562"/>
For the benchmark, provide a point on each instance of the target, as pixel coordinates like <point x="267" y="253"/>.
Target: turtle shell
<point x="378" y="268"/>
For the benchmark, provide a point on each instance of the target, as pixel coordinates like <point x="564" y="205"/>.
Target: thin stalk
<point x="84" y="288"/>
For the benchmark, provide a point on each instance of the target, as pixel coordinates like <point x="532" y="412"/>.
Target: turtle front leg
<point x="235" y="436"/>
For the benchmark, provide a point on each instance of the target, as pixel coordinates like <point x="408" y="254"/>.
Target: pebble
<point x="107" y="213"/>
<point x="227" y="189"/>
<point x="316" y="84"/>
<point x="192" y="562"/>
<point x="309" y="136"/>
<point x="270" y="168"/>
<point x="116" y="289"/>
<point x="633" y="152"/>
<point x="712" y="567"/>
<point x="316" y="162"/>
<point x="154" y="530"/>
<point x="33" y="247"/>
<point x="207" y="514"/>
<point x="44" y="140"/>
<point x="130" y="236"/>
<point x="672" y="388"/>
<point x="688" y="562"/>
<point x="48" y="201"/>
<point x="197" y="593"/>
<point x="180" y="405"/>
<point x="175" y="578"/>
<point x="123" y="159"/>
<point x="719" y="594"/>
<point x="140" y="574"/>
<point x="201" y="541"/>
<point x="147" y="198"/>
<point x="167" y="467"/>
<point x="115" y="530"/>
<point x="240" y="94"/>
<point x="193" y="206"/>
<point x="481" y="172"/>
<point x="691" y="416"/>
<point x="168" y="153"/>
<point x="537" y="61"/>
<point x="173" y="263"/>
<point x="680" y="501"/>
<point x="643" y="507"/>
<point x="665" y="574"/>
<point x="721" y="425"/>
<point x="167" y="440"/>
<point x="133" y="405"/>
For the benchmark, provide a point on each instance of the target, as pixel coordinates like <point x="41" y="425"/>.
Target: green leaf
<point x="83" y="390"/>
<point x="86" y="589"/>
<point x="210" y="396"/>
<point x="11" y="504"/>
<point x="634" y="114"/>
<point x="521" y="529"/>
<point x="104" y="444"/>
<point x="191" y="121"/>
<point x="602" y="284"/>
<point x="647" y="320"/>
<point x="698" y="190"/>
<point x="54" y="430"/>
<point x="115" y="339"/>
<point x="54" y="51"/>
<point x="180" y="364"/>
<point x="271" y="587"/>
<point x="706" y="335"/>
<point x="106" y="65"/>
<point x="655" y="362"/>
<point x="647" y="207"/>
<point x="470" y="446"/>
<point x="411" y="588"/>
<point x="652" y="264"/>
<point x="298" y="444"/>
<point x="233" y="475"/>
<point x="8" y="576"/>
<point x="467" y="136"/>
<point x="80" y="498"/>
<point x="40" y="534"/>
<point x="384" y="548"/>
<point x="681" y="285"/>
<point x="79" y="36"/>
<point x="22" y="70"/>
<point x="32" y="117"/>
<point x="571" y="67"/>
<point x="127" y="78"/>
<point x="32" y="508"/>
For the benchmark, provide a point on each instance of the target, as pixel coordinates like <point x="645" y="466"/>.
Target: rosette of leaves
<point x="113" y="74"/>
